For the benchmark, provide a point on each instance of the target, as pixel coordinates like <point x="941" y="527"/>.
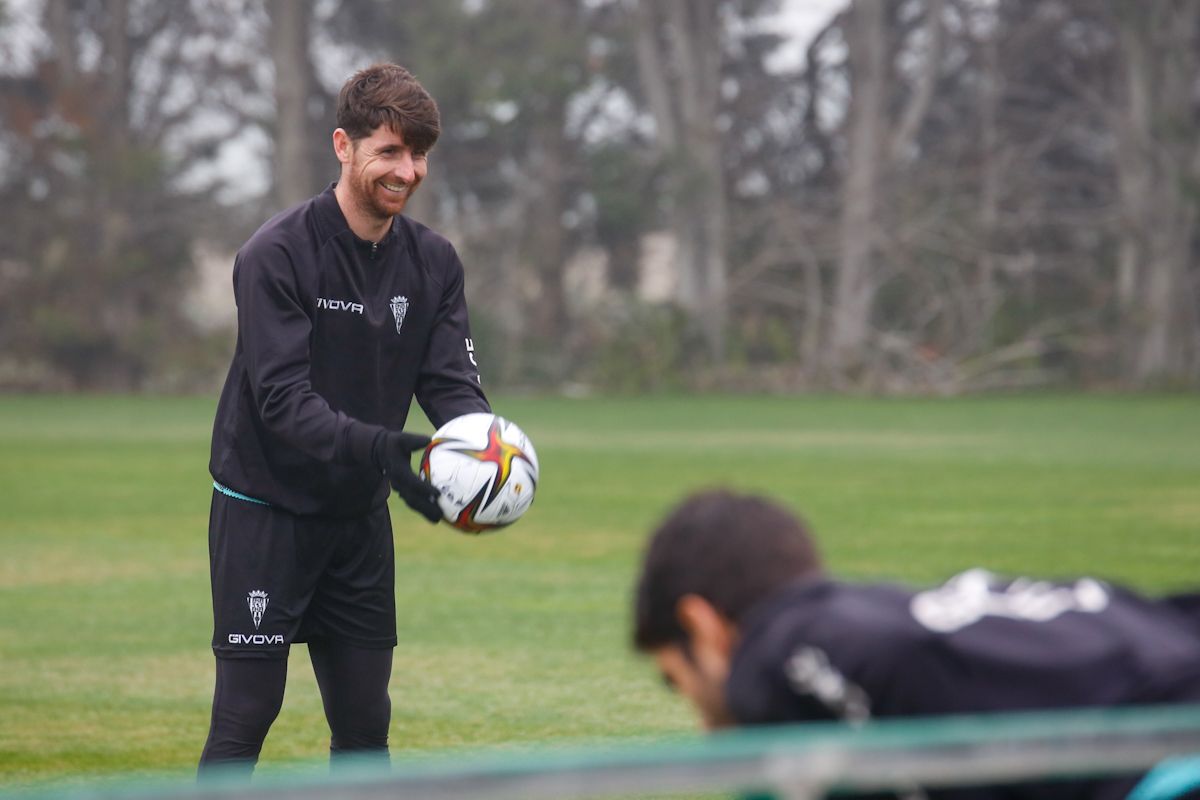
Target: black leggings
<point x="249" y="694"/>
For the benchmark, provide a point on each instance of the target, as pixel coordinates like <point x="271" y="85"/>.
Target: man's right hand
<point x="392" y="453"/>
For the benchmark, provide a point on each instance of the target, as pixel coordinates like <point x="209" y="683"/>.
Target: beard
<point x="375" y="201"/>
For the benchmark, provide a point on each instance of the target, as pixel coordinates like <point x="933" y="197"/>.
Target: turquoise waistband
<point x="225" y="490"/>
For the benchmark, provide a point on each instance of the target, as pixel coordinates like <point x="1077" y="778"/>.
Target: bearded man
<point x="347" y="310"/>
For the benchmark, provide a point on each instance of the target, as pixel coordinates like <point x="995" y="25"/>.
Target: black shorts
<point x="279" y="578"/>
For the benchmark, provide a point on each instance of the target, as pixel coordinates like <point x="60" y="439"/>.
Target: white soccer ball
<point x="486" y="470"/>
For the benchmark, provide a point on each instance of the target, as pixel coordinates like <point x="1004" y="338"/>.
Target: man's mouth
<point x="398" y="188"/>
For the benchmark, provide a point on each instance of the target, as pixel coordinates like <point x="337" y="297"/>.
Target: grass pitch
<point x="520" y="637"/>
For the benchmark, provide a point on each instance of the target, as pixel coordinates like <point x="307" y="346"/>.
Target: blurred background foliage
<point x="920" y="196"/>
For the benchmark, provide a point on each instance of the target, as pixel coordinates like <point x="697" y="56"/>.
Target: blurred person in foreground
<point x="346" y="310"/>
<point x="738" y="613"/>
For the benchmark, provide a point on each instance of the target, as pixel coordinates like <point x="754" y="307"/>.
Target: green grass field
<point x="520" y="637"/>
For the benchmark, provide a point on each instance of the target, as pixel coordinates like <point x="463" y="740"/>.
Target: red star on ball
<point x="502" y="454"/>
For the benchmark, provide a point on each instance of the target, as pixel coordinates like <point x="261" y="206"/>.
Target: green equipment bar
<point x="794" y="762"/>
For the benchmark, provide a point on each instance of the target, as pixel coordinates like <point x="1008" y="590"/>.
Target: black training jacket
<point x="336" y="335"/>
<point x="830" y="650"/>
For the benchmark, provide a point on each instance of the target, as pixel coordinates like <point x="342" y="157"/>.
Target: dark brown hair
<point x="388" y="94"/>
<point x="732" y="550"/>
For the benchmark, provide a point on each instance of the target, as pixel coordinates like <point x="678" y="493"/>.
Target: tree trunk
<point x="288" y="42"/>
<point x="987" y="294"/>
<point x="57" y="15"/>
<point x="679" y="62"/>
<point x="1158" y="175"/>
<point x="112" y="130"/>
<point x="546" y="239"/>
<point x="855" y="283"/>
<point x="921" y="98"/>
<point x="117" y="66"/>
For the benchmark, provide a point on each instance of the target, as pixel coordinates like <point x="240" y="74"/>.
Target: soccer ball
<point x="486" y="470"/>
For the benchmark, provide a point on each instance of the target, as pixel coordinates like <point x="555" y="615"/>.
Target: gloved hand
<point x="392" y="453"/>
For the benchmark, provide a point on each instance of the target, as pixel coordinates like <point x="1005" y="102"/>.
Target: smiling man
<point x="381" y="166"/>
<point x="347" y="310"/>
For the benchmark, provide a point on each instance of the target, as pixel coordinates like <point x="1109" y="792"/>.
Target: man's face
<point x="699" y="674"/>
<point x="380" y="171"/>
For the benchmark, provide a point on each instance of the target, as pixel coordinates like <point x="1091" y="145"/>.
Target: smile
<point x="399" y="188"/>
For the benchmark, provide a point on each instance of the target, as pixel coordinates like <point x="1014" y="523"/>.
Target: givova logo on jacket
<point x="340" y="305"/>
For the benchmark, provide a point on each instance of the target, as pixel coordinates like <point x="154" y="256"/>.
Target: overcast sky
<point x="802" y="20"/>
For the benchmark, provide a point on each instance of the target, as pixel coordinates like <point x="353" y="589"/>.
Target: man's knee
<point x="247" y="699"/>
<point x="363" y="725"/>
<point x="254" y="713"/>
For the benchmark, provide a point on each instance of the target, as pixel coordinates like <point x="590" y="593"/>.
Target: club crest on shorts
<point x="257" y="600"/>
<point x="399" y="310"/>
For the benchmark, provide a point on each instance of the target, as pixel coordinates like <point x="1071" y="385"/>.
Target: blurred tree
<point x="288" y="36"/>
<point x="620" y="177"/>
<point x="680" y="53"/>
<point x="783" y="170"/>
<point x="937" y="195"/>
<point x="979" y="188"/>
<point x="1158" y="167"/>
<point x="98" y="237"/>
<point x="856" y="280"/>
<point x="542" y="68"/>
<point x="880" y="144"/>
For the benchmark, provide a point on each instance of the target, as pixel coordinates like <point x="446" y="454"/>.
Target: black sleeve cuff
<point x="358" y="442"/>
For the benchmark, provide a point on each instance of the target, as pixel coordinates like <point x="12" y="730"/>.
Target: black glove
<point x="392" y="453"/>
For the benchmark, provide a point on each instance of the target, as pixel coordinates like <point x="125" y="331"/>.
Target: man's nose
<point x="405" y="168"/>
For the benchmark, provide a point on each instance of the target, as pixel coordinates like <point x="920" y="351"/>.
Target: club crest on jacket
<point x="399" y="310"/>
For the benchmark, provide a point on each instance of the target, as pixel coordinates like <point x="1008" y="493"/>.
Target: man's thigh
<point x="355" y="597"/>
<point x="264" y="574"/>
